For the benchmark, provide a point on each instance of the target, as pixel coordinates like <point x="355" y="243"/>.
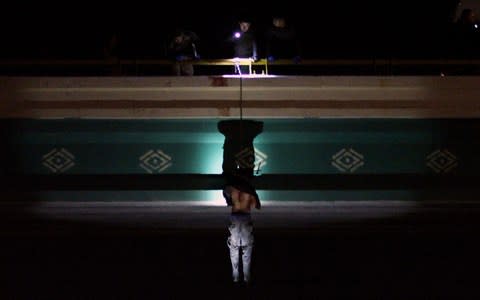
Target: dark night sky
<point x="334" y="28"/>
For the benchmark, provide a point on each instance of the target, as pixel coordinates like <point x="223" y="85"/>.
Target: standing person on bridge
<point x="244" y="44"/>
<point x="282" y="41"/>
<point x="183" y="50"/>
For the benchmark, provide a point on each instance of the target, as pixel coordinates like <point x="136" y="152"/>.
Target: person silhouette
<point x="183" y="51"/>
<point x="240" y="194"/>
<point x="244" y="44"/>
<point x="238" y="150"/>
<point x="282" y="41"/>
<point x="468" y="33"/>
<point x="112" y="52"/>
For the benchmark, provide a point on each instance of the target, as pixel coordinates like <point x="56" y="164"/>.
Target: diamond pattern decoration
<point x="58" y="160"/>
<point x="347" y="160"/>
<point x="248" y="158"/>
<point x="155" y="161"/>
<point x="442" y="161"/>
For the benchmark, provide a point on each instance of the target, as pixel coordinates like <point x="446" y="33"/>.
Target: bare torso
<point x="242" y="202"/>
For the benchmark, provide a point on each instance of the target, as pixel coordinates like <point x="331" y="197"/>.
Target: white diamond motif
<point x="347" y="160"/>
<point x="244" y="159"/>
<point x="58" y="160"/>
<point x="155" y="161"/>
<point x="442" y="161"/>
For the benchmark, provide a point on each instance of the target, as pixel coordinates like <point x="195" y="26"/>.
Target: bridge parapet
<point x="249" y="96"/>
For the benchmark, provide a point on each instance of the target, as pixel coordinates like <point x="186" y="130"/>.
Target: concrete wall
<point x="221" y="97"/>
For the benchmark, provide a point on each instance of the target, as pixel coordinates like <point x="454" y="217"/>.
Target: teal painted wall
<point x="286" y="146"/>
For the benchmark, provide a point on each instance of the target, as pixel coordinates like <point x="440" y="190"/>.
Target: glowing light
<point x="237" y="35"/>
<point x="250" y="76"/>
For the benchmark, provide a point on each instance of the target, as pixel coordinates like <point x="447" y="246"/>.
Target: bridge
<point x="360" y="176"/>
<point x="118" y="66"/>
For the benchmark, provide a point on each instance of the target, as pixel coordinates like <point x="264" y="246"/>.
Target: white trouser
<point x="240" y="240"/>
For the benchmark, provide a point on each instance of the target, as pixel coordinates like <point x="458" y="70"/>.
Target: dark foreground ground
<point x="152" y="251"/>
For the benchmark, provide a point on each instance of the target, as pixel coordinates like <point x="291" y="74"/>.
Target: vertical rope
<point x="241" y="115"/>
<point x="241" y="97"/>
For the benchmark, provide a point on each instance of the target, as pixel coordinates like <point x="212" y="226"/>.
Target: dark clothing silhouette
<point x="244" y="44"/>
<point x="282" y="43"/>
<point x="238" y="150"/>
<point x="182" y="50"/>
<point x="467" y="35"/>
<point x="183" y="45"/>
<point x="239" y="155"/>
